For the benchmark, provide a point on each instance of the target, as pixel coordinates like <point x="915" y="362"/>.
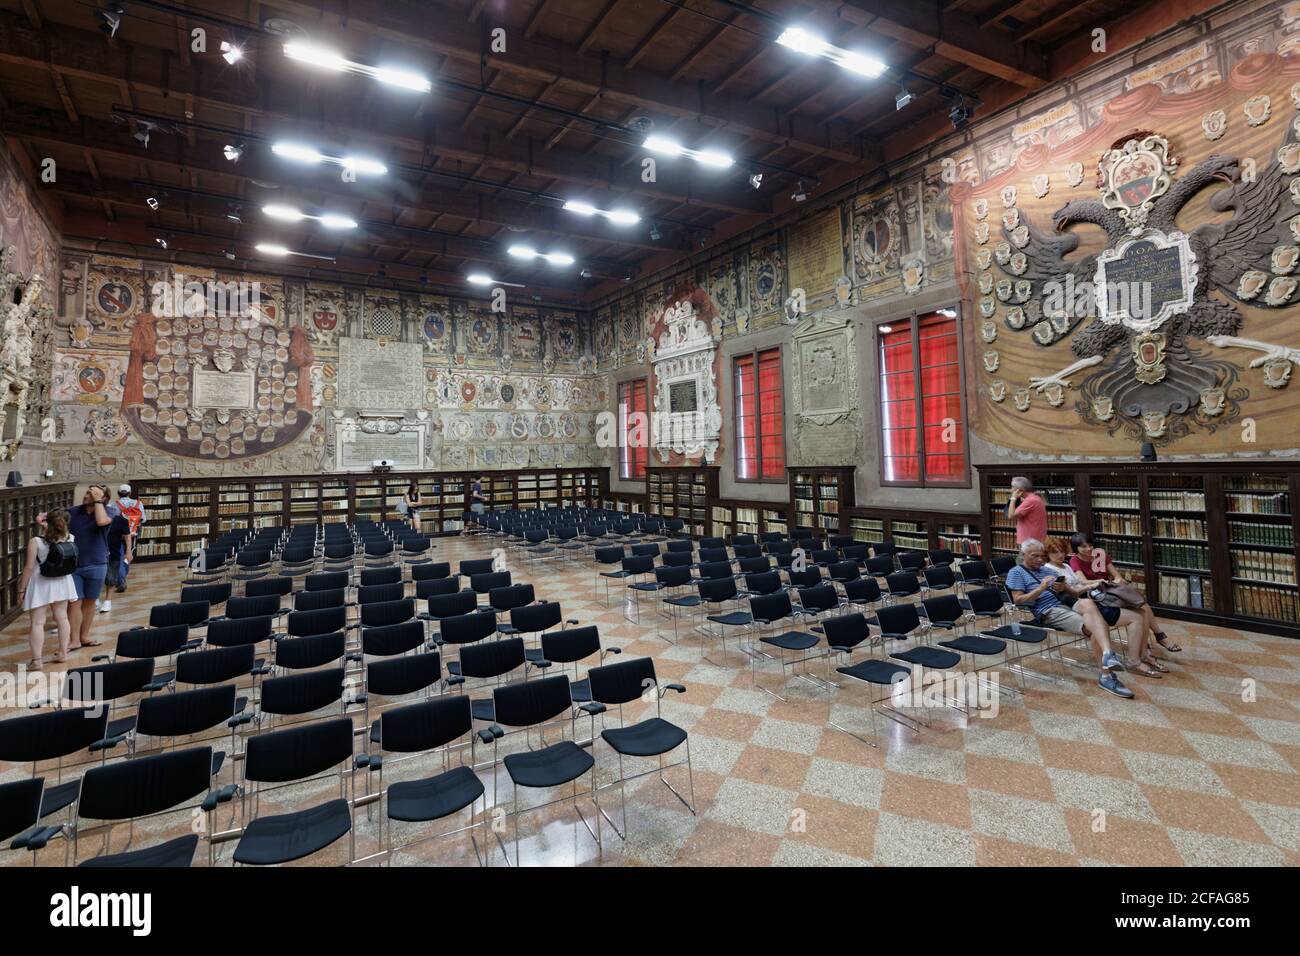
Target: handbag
<point x="1105" y="598"/>
<point x="402" y="507"/>
<point x="1126" y="594"/>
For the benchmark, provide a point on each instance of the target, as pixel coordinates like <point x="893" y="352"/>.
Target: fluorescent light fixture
<point x="559" y="258"/>
<point x="622" y="217"/>
<point x="522" y="252"/>
<point x="664" y="145"/>
<point x="363" y="164"/>
<point x="282" y="212"/>
<point x="298" y="152"/>
<point x="232" y="53"/>
<point x="271" y="249"/>
<point x="334" y="221"/>
<point x="667" y="146"/>
<point x="811" y="44"/>
<point x="326" y="58"/>
<point x="478" y="278"/>
<point x="580" y="207"/>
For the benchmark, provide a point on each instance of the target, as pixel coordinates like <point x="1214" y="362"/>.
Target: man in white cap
<point x="132" y="510"/>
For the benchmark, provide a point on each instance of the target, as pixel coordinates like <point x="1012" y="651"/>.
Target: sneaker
<point x="1110" y="661"/>
<point x="120" y="588"/>
<point x="1112" y="683"/>
<point x="105" y="607"/>
<point x="99" y="604"/>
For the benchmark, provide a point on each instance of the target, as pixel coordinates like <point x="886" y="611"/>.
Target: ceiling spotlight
<point x="229" y="254"/>
<point x="585" y="273"/>
<point x="810" y="44"/>
<point x="112" y="18"/>
<point x="756" y="180"/>
<point x="233" y="152"/>
<point x="904" y="97"/>
<point x="153" y="203"/>
<point x="960" y="112"/>
<point x="233" y="218"/>
<point x="142" y="137"/>
<point x="800" y="194"/>
<point x="655" y="234"/>
<point x="162" y="242"/>
<point x="324" y="58"/>
<point x="232" y="53"/>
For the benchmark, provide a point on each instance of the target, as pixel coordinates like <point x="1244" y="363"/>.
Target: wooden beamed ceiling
<point x="487" y="158"/>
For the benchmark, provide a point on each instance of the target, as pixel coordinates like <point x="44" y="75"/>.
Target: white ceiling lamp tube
<point x="325" y="58"/>
<point x="666" y="146"/>
<point x="619" y="217"/>
<point x="808" y="43"/>
<point x="302" y="153"/>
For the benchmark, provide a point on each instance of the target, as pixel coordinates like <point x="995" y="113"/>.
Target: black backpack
<point x="61" y="561"/>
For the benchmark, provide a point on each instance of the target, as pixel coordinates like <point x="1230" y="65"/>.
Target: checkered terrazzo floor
<point x="1202" y="768"/>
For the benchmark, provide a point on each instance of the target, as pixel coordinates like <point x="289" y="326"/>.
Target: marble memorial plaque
<point x="378" y="377"/>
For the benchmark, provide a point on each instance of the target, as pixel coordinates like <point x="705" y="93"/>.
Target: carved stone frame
<point x="825" y="328"/>
<point x="686" y="351"/>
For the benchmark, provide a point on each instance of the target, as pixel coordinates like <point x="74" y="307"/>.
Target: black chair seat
<point x="792" y="641"/>
<point x="930" y="657"/>
<point x="556" y="764"/>
<point x="970" y="644"/>
<point x="291" y="836"/>
<point x="483" y="709"/>
<point x="1027" y="635"/>
<point x="734" y="617"/>
<point x="173" y="853"/>
<point x="534" y="655"/>
<point x="650" y="738"/>
<point x="688" y="600"/>
<point x="874" y="672"/>
<point x="646" y="586"/>
<point x="56" y="798"/>
<point x="418" y="801"/>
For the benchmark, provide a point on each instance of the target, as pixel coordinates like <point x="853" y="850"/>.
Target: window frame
<point x="753" y="355"/>
<point x="625" y="448"/>
<point x="913" y="319"/>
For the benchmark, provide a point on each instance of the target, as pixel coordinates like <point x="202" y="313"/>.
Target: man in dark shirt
<point x="89" y="527"/>
<point x="119" y="533"/>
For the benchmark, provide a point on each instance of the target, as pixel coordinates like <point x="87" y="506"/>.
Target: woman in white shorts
<point x="41" y="594"/>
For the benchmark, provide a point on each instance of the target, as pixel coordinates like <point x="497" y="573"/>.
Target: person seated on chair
<point x="1094" y="564"/>
<point x="1033" y="586"/>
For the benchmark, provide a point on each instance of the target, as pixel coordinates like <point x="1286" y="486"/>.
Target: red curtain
<point x="760" y="416"/>
<point x="634" y="454"/>
<point x="942" y="425"/>
<point x="746" y="419"/>
<point x="898" y="404"/>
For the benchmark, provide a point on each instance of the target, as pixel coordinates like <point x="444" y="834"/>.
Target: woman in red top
<point x="1096" y="565"/>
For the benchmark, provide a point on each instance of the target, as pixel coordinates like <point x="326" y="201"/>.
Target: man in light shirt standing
<point x="1027" y="510"/>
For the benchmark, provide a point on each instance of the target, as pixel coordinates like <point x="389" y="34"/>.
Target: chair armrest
<point x="108" y="743"/>
<point x="101" y="657"/>
<point x="215" y="797"/>
<point x="453" y="680"/>
<point x="234" y="722"/>
<point x="677" y="688"/>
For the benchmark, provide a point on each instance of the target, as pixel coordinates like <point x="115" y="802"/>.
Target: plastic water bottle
<point x="1014" y="614"/>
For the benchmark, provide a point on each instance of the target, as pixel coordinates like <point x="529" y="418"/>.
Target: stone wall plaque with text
<point x="376" y="377"/>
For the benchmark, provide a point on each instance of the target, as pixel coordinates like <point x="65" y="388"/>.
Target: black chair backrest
<point x="489" y="659"/>
<point x="52" y="734"/>
<point x="298" y="553"/>
<point x="215" y="666"/>
<point x="864" y="590"/>
<point x="713" y="543"/>
<point x="623" y="682"/>
<point x="911" y="560"/>
<point x="427" y="572"/>
<point x="673" y="577"/>
<point x="825" y="555"/>
<point x="260" y="606"/>
<point x="941" y="556"/>
<point x="770" y="607"/>
<point x="535" y="617"/>
<point x="717" y="589"/>
<point x="532" y="702"/>
<point x="104" y="682"/>
<point x="516" y="595"/>
<point x="429" y="587"/>
<point x="403" y="675"/>
<point x="676" y="559"/>
<point x="378" y="547"/>
<point x="338" y="550"/>
<point x="902" y="582"/>
<point x="468" y="628"/>
<point x="987" y="600"/>
<point x="298" y="752"/>
<point x="1001" y="565"/>
<point x="144" y="785"/>
<point x="883" y="549"/>
<point x="975" y="571"/>
<point x="844" y="570"/>
<point x="371" y="576"/>
<point x="763" y="582"/>
<point x="807" y="578"/>
<point x="253" y="558"/>
<point x="301" y="653"/>
<point x="476" y="566"/>
<point x="325" y="620"/>
<point x="185" y="712"/>
<point x="945" y="609"/>
<point x="214" y="594"/>
<point x="939" y="577"/>
<point x="857" y="552"/>
<point x="610" y="555"/>
<point x="755" y="565"/>
<point x="780" y="547"/>
<point x="248" y="630"/>
<point x="279" y="585"/>
<point x="302" y="693"/>
<point x="713" y="555"/>
<point x="880" y="565"/>
<point x="642" y="550"/>
<point x="192" y="613"/>
<point x="449" y="605"/>
<point x="375" y="593"/>
<point x="840" y="540"/>
<point x="385" y="613"/>
<point x="484" y="583"/>
<point x="315" y="600"/>
<point x="392" y="639"/>
<point x="20" y="806"/>
<point x="845" y="630"/>
<point x="152" y="641"/>
<point x="426" y="725"/>
<point x="685" y="547"/>
<point x="639" y="564"/>
<point x="415" y="544"/>
<point x="326" y="581"/>
<point x="898" y="618"/>
<point x="767" y="537"/>
<point x="748" y="550"/>
<point x="819" y="598"/>
<point x="573" y="644"/>
<point x="713" y="570"/>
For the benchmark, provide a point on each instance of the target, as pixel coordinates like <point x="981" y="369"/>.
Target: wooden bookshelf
<point x="915" y="530"/>
<point x="819" y="495"/>
<point x="182" y="512"/>
<point x="1213" y="542"/>
<point x="686" y="493"/>
<point x="731" y="517"/>
<point x="18" y="510"/>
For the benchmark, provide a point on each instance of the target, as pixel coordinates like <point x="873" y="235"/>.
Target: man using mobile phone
<point x="1027" y="510"/>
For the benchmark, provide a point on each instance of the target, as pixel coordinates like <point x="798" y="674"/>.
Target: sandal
<point x="1152" y="661"/>
<point x="77" y="647"/>
<point x="36" y="664"/>
<point x="1163" y="640"/>
<point x="1145" y="669"/>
